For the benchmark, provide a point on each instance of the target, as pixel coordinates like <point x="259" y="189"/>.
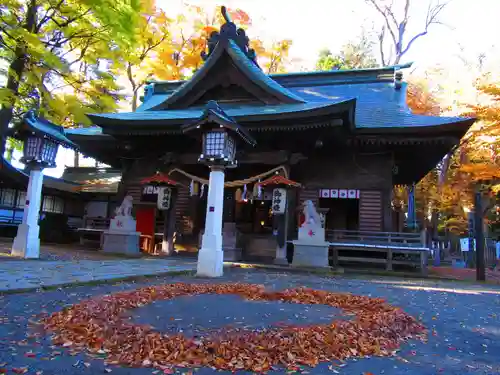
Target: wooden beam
<point x="267" y="158"/>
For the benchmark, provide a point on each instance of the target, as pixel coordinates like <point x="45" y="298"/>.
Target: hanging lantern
<point x="279" y="196"/>
<point x="219" y="134"/>
<point x="153" y="188"/>
<point x="41" y="140"/>
<point x="40" y="150"/>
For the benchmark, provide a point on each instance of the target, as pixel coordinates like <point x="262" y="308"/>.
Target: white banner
<point x="164" y="197"/>
<point x="279" y="201"/>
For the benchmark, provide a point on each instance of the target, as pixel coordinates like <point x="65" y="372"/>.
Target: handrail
<point x="9" y="219"/>
<point x="96" y="222"/>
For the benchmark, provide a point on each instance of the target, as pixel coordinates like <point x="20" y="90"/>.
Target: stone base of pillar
<point x="280" y="258"/>
<point x="167" y="248"/>
<point x="27" y="242"/>
<point x="310" y="255"/>
<point x="281" y="261"/>
<point x="210" y="263"/>
<point x="120" y="242"/>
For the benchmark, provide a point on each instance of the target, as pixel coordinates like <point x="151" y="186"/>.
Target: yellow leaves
<point x="420" y="100"/>
<point x="7" y="97"/>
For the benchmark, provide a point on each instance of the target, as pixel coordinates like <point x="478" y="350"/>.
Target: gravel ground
<point x="464" y="321"/>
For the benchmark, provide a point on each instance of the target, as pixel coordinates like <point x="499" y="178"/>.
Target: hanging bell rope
<point x="235" y="183"/>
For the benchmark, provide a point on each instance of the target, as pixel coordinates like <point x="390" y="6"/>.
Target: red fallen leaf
<point x="20" y="370"/>
<point x="3" y="370"/>
<point x="376" y="328"/>
<point x="30" y="355"/>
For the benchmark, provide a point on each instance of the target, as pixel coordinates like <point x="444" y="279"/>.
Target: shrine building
<point x="342" y="139"/>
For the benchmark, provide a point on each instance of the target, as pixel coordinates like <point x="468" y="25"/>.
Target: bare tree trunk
<point x="9" y="153"/>
<point x="396" y="27"/>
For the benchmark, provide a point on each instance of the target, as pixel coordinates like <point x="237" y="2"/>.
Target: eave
<point x="169" y="121"/>
<point x="33" y="124"/>
<point x="12" y="177"/>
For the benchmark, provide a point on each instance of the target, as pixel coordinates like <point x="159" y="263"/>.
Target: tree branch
<point x="47" y="17"/>
<point x="381" y="38"/>
<point x="385" y="16"/>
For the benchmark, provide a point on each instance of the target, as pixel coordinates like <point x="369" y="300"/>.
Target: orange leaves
<point x="98" y="326"/>
<point x="421" y="100"/>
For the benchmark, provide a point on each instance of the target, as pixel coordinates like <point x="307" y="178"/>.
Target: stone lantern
<point x="41" y="140"/>
<point x="219" y="134"/>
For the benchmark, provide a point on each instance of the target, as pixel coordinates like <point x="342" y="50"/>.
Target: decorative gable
<point x="229" y="62"/>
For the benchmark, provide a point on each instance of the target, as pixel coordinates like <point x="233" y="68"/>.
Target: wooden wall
<point x="370" y="210"/>
<point x="371" y="174"/>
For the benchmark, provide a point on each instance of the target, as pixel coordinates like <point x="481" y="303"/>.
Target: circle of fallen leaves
<point x="99" y="325"/>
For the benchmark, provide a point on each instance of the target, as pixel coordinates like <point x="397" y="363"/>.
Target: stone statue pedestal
<point x="229" y="242"/>
<point x="122" y="238"/>
<point x="310" y="249"/>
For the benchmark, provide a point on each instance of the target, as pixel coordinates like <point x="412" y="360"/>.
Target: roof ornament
<point x="398" y="80"/>
<point x="229" y="31"/>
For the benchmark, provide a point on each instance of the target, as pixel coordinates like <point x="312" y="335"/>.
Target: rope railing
<point x="234" y="183"/>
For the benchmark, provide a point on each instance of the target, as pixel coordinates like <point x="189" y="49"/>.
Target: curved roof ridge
<point x="243" y="63"/>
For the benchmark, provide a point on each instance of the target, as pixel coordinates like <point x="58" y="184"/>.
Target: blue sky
<point x="316" y="24"/>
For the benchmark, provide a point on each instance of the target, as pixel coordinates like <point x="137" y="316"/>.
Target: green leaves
<point x="59" y="57"/>
<point x="353" y="55"/>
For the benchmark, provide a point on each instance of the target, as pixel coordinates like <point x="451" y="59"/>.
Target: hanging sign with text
<point x="278" y="201"/>
<point x="150" y="193"/>
<point x="164" y="198"/>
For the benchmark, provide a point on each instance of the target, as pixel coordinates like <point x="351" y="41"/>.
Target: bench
<point x="389" y="250"/>
<point x="410" y="245"/>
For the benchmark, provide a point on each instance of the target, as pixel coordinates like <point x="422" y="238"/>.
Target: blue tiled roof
<point x="256" y="75"/>
<point x="153" y="101"/>
<point x="91" y="130"/>
<point x="238" y="112"/>
<point x="378" y="105"/>
<point x="42" y="126"/>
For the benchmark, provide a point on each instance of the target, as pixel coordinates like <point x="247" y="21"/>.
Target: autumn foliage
<point x="99" y="326"/>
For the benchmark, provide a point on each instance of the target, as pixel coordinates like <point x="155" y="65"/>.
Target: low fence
<point x="376" y="238"/>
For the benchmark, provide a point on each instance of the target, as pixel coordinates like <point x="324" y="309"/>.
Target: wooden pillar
<point x="229" y="205"/>
<point x="76" y="159"/>
<point x="122" y="187"/>
<point x="387" y="211"/>
<point x="169" y="226"/>
<point x="479" y="229"/>
<point x="280" y="224"/>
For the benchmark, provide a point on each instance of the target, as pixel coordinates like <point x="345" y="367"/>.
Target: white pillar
<point x="210" y="256"/>
<point x="27" y="242"/>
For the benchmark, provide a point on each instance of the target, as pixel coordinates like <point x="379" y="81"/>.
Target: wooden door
<point x="370" y="210"/>
<point x="145" y="217"/>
